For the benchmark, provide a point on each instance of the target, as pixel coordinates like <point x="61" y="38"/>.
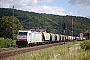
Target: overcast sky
<point x="57" y="7"/>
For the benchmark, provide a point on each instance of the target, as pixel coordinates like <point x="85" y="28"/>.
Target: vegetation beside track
<point x="6" y="43"/>
<point x="85" y="45"/>
<point x="69" y="51"/>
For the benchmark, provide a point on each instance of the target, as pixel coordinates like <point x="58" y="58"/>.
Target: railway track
<point x="7" y="49"/>
<point x="7" y="52"/>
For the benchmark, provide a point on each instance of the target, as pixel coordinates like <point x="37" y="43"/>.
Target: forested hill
<point x="52" y="23"/>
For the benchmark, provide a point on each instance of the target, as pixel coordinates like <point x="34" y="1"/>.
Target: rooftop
<point x="87" y="31"/>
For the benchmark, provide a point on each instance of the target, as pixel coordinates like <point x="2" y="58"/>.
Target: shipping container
<point x="46" y="36"/>
<point x="62" y="37"/>
<point x="57" y="37"/>
<point x="53" y="37"/>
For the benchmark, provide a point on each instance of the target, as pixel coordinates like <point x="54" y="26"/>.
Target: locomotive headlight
<point x="17" y="39"/>
<point x="25" y="40"/>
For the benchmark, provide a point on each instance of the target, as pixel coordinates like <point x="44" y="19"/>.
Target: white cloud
<point x="47" y="0"/>
<point x="82" y="2"/>
<point x="79" y="13"/>
<point x="33" y="5"/>
<point x="85" y="6"/>
<point x="49" y="9"/>
<point x="37" y="6"/>
<point x="18" y="3"/>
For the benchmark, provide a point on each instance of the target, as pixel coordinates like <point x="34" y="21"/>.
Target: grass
<point x="70" y="51"/>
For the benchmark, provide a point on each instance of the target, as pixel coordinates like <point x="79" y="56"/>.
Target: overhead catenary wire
<point x="30" y="17"/>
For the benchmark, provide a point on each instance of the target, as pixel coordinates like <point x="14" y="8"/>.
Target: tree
<point x="6" y="26"/>
<point x="53" y="31"/>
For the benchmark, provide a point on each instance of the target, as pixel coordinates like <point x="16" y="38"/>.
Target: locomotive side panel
<point x="36" y="37"/>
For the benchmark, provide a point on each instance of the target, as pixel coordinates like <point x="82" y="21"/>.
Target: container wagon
<point x="46" y="37"/>
<point x="53" y="37"/>
<point x="62" y="38"/>
<point x="57" y="37"/>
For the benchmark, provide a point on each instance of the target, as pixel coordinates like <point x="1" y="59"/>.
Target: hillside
<point x="52" y="23"/>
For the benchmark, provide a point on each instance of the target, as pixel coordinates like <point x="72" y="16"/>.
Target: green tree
<point x="6" y="26"/>
<point x="53" y="31"/>
<point x="31" y="20"/>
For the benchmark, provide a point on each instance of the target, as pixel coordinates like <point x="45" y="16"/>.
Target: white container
<point x="58" y="37"/>
<point x="46" y="36"/>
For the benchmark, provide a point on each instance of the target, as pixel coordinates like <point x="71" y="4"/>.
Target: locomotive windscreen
<point x="22" y="33"/>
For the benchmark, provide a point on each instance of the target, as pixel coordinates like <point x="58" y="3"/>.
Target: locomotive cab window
<point x="22" y="33"/>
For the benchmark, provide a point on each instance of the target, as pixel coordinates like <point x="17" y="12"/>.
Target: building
<point x="87" y="34"/>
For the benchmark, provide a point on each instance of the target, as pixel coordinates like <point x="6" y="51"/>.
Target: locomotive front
<point x="22" y="38"/>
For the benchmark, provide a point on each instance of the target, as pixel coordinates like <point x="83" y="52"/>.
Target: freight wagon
<point x="46" y="36"/>
<point x="58" y="38"/>
<point x="53" y="37"/>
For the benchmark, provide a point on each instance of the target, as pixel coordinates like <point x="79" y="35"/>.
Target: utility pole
<point x="72" y="29"/>
<point x="89" y="34"/>
<point x="64" y="27"/>
<point x="61" y="25"/>
<point x="13" y="25"/>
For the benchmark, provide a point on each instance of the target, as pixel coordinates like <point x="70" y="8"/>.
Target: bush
<point x="85" y="45"/>
<point x="5" y="43"/>
<point x="14" y="43"/>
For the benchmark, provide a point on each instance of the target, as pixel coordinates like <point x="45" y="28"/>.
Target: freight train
<point x="33" y="37"/>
